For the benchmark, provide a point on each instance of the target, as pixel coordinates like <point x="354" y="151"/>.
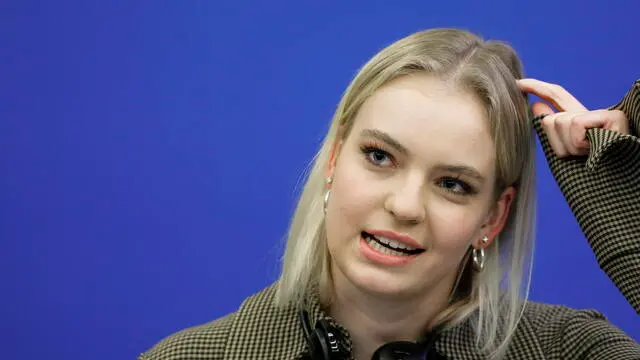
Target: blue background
<point x="151" y="151"/>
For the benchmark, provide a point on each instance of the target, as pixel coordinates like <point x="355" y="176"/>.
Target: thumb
<point x="539" y="108"/>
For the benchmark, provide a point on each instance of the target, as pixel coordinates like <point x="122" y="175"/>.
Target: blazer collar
<point x="276" y="333"/>
<point x="454" y="340"/>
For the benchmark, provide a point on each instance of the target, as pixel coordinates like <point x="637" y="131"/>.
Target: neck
<point x="376" y="319"/>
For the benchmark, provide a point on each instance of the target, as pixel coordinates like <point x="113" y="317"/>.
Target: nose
<point x="405" y="200"/>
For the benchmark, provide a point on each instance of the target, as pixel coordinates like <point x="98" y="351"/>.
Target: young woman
<point x="413" y="235"/>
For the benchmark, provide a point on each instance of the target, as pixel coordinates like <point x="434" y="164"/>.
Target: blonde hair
<point x="493" y="298"/>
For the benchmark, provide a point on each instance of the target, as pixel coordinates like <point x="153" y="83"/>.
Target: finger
<point x="616" y="120"/>
<point x="591" y="119"/>
<point x="576" y="140"/>
<point x="580" y="123"/>
<point x="540" y="108"/>
<point x="555" y="94"/>
<point x="549" y="127"/>
<point x="564" y="130"/>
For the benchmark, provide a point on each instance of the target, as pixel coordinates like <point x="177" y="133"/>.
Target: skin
<point x="375" y="185"/>
<point x="566" y="128"/>
<point x="410" y="191"/>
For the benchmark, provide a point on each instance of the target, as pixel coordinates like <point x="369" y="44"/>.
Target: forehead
<point x="430" y="118"/>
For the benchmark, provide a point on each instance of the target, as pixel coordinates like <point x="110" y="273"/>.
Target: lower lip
<point x="375" y="256"/>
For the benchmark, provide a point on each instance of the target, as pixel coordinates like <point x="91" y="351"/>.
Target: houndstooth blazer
<point x="602" y="191"/>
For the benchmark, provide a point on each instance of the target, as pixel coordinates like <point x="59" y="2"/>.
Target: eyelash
<point x="466" y="188"/>
<point x="370" y="149"/>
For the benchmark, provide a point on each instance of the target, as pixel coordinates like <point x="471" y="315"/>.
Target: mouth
<point x="389" y="246"/>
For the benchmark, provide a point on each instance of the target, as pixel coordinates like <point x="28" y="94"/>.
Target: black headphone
<point x="326" y="343"/>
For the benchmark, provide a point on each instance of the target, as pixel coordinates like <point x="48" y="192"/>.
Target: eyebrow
<point x="383" y="136"/>
<point x="462" y="169"/>
<point x="458" y="169"/>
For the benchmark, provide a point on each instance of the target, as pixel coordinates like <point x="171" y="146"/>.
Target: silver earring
<point x="485" y="239"/>
<point x="326" y="194"/>
<point x="326" y="200"/>
<point x="478" y="259"/>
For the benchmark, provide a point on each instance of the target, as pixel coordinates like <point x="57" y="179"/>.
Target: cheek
<point x="352" y="199"/>
<point x="453" y="226"/>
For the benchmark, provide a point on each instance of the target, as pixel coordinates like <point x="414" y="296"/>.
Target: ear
<point x="497" y="218"/>
<point x="333" y="156"/>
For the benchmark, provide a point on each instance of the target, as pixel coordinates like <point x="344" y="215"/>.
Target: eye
<point x="377" y="156"/>
<point x="456" y="186"/>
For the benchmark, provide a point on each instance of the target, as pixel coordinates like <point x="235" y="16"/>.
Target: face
<point x="413" y="189"/>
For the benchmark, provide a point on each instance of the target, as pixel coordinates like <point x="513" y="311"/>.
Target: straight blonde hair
<point x="492" y="299"/>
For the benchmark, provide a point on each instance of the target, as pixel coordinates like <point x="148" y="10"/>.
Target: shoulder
<point x="563" y="332"/>
<point x="554" y="323"/>
<point x="542" y="315"/>
<point x="206" y="341"/>
<point x="215" y="339"/>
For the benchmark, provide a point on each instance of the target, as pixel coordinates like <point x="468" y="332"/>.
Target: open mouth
<point x="388" y="246"/>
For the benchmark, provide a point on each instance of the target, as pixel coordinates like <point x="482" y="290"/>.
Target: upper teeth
<point x="393" y="243"/>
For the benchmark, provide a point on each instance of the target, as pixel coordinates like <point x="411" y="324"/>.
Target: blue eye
<point x="456" y="186"/>
<point x="376" y="156"/>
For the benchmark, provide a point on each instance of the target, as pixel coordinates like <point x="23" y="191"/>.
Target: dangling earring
<point x="326" y="194"/>
<point x="326" y="199"/>
<point x="479" y="256"/>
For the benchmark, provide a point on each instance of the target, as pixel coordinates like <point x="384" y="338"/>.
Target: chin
<point x="381" y="282"/>
<point x="382" y="287"/>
